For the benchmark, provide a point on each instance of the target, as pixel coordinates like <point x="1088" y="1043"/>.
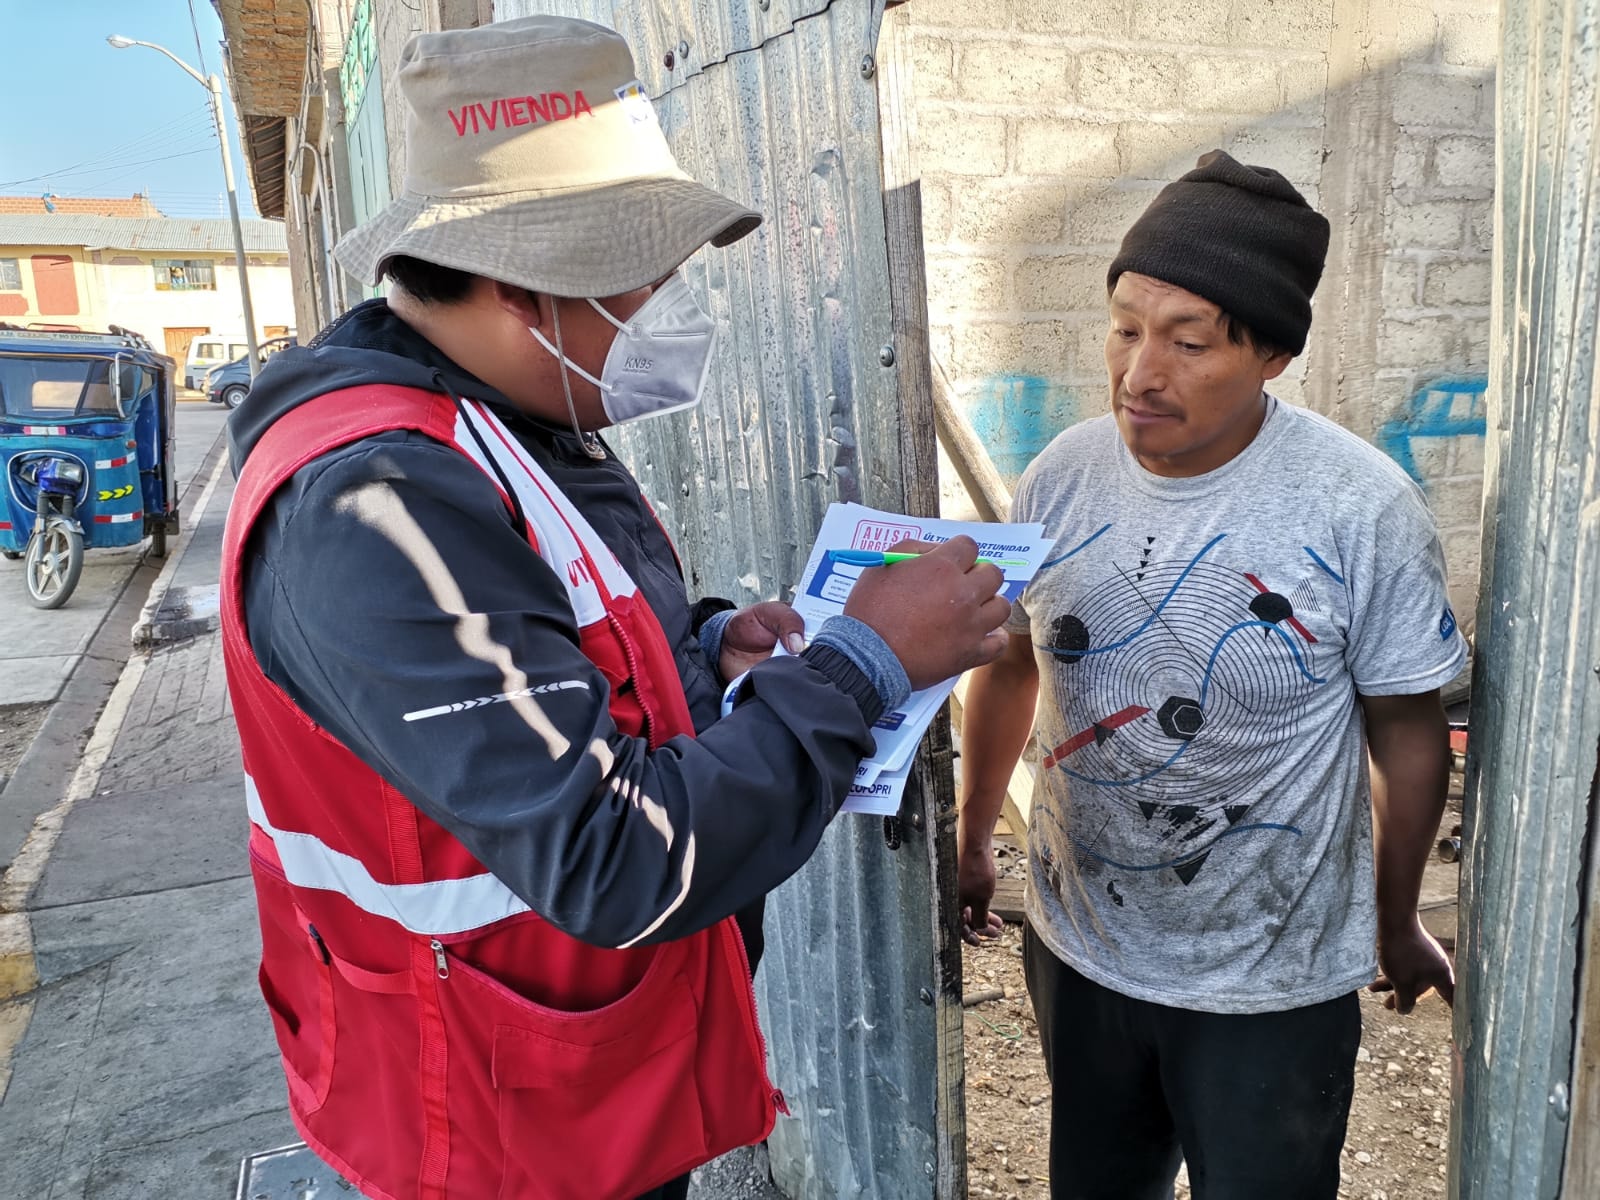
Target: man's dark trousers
<point x="1255" y="1103"/>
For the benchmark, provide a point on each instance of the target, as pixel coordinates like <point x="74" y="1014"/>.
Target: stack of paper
<point x="825" y="585"/>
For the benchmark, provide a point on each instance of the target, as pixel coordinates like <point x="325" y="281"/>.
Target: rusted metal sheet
<point x="778" y="107"/>
<point x="1528" y="1010"/>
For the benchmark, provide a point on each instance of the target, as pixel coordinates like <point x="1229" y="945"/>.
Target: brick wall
<point x="136" y="205"/>
<point x="1043" y="133"/>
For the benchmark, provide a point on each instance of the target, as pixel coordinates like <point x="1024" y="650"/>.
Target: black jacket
<point x="345" y="615"/>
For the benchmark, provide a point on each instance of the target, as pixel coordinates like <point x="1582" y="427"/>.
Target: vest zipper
<point x="440" y="965"/>
<point x="774" y="1092"/>
<point x="633" y="676"/>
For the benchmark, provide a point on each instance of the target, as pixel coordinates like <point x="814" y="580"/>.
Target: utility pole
<point x="213" y="86"/>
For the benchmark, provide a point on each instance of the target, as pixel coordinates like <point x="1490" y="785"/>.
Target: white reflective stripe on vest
<point x="439" y="907"/>
<point x="563" y="532"/>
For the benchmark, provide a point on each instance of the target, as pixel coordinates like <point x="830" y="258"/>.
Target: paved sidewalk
<point x="148" y="1068"/>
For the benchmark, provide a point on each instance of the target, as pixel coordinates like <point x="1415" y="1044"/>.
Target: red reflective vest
<point x="439" y="1038"/>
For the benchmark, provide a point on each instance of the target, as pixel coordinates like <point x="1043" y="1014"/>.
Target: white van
<point x="211" y="350"/>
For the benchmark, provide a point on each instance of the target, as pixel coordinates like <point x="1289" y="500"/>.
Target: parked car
<point x="230" y="383"/>
<point x="209" y="350"/>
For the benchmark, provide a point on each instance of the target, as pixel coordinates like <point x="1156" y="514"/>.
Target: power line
<point x="122" y="165"/>
<point x="188" y="123"/>
<point x="195" y="25"/>
<point x="135" y="168"/>
<point x="115" y="151"/>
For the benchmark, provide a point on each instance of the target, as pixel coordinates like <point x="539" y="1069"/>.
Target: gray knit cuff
<point x="860" y="643"/>
<point x="711" y="637"/>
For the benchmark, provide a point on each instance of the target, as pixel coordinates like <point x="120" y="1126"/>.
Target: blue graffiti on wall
<point x="1016" y="416"/>
<point x="1443" y="408"/>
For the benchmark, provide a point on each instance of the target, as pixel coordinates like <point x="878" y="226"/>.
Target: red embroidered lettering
<point x="578" y="572"/>
<point x="519" y="110"/>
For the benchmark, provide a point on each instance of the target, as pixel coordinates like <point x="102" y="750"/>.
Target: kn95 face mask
<point x="659" y="359"/>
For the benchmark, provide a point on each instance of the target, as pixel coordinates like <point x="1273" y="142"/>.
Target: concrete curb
<point x="22" y="876"/>
<point x="54" y="751"/>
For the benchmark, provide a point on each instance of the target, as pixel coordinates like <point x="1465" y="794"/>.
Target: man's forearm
<point x="1408" y="739"/>
<point x="995" y="726"/>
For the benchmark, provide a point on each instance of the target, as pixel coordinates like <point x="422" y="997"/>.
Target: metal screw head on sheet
<point x="868" y="67"/>
<point x="670" y="61"/>
<point x="764" y="4"/>
<point x="886" y="356"/>
<point x="926" y="996"/>
<point x="683" y="51"/>
<point x="1558" y="1101"/>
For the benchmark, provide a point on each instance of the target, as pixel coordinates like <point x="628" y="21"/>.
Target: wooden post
<point x="989" y="493"/>
<point x="930" y="803"/>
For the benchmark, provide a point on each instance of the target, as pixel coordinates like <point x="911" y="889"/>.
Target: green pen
<point x="882" y="558"/>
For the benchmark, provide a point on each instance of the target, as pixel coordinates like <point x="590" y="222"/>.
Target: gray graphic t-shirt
<point x="1201" y="831"/>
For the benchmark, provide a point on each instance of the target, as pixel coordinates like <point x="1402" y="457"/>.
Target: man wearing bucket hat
<point x="1245" y="601"/>
<point x="498" y="836"/>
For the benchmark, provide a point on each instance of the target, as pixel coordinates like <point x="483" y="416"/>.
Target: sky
<point x="84" y="119"/>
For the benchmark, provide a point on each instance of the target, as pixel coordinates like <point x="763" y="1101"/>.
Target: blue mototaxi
<point x="86" y="450"/>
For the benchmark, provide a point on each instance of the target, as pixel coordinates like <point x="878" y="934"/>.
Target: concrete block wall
<point x="1046" y="127"/>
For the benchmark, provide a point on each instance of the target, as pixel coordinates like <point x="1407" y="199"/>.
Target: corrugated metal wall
<point x="772" y="103"/>
<point x="1528" y="1009"/>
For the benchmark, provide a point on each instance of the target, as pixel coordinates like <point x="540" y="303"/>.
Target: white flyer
<point x="826" y="584"/>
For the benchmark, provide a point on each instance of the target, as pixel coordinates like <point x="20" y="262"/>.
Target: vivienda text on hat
<point x="519" y="110"/>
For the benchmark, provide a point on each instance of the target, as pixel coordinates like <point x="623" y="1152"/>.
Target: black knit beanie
<point x="1241" y="237"/>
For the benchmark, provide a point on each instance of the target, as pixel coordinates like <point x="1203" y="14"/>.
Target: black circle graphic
<point x="1182" y="700"/>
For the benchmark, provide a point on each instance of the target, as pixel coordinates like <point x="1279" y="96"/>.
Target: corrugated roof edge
<point x="139" y="233"/>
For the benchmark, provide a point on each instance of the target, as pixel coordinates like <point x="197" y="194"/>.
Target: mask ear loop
<point x="591" y="443"/>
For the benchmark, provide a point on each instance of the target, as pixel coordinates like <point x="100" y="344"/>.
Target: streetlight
<point x="214" y="86"/>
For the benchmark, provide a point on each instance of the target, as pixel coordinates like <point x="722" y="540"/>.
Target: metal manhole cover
<point x="291" y="1173"/>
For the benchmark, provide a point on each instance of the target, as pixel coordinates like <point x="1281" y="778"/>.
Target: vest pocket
<point x="297" y="986"/>
<point x="602" y="1104"/>
<point x="605" y="1120"/>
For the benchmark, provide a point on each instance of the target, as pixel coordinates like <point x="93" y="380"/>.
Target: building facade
<point x="170" y="280"/>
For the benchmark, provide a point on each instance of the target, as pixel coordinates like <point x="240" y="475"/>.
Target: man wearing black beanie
<point x="1244" y="602"/>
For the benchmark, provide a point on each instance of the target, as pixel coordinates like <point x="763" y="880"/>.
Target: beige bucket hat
<point x="533" y="156"/>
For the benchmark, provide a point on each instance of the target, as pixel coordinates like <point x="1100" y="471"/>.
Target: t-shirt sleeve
<point x="1021" y="504"/>
<point x="1405" y="638"/>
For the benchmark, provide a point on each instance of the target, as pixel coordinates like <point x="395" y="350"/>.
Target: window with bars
<point x="10" y="275"/>
<point x="185" y="275"/>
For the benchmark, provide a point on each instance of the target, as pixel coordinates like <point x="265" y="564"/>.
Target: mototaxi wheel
<point x="54" y="563"/>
